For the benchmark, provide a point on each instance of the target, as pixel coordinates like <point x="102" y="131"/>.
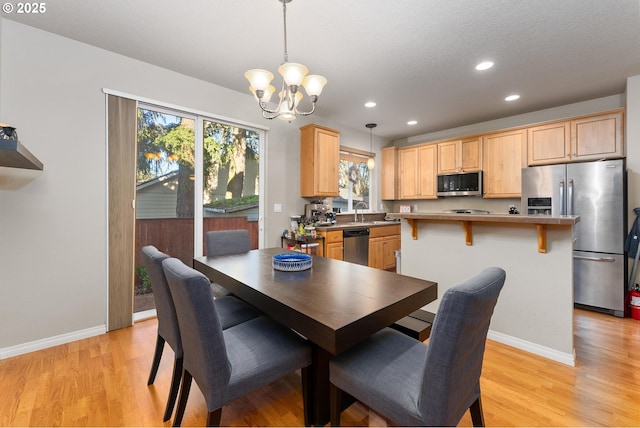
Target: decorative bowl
<point x="292" y="262"/>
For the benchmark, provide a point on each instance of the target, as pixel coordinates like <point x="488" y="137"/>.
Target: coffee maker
<point x="316" y="211"/>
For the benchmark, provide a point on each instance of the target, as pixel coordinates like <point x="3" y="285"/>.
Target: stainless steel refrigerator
<point x="596" y="191"/>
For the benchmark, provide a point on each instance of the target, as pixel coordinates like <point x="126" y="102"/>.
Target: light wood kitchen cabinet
<point x="550" y="143"/>
<point x="459" y="156"/>
<point x="383" y="242"/>
<point x="319" y="161"/>
<point x="585" y="138"/>
<point x="503" y="157"/>
<point x="388" y="188"/>
<point x="333" y="244"/>
<point x="597" y="137"/>
<point x="417" y="172"/>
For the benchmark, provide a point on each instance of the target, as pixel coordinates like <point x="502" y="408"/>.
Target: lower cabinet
<point x="333" y="247"/>
<point x="383" y="243"/>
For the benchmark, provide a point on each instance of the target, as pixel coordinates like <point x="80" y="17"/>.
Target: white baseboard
<point x="543" y="351"/>
<point x="49" y="342"/>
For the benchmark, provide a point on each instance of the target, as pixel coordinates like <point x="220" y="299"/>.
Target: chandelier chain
<point x="284" y="20"/>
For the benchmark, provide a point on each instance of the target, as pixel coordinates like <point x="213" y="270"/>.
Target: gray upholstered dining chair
<point x="223" y="243"/>
<point x="414" y="384"/>
<point x="232" y="311"/>
<point x="227" y="364"/>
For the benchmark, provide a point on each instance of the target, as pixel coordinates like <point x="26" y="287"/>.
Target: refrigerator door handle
<point x="563" y="208"/>
<point x="595" y="259"/>
<point x="570" y="196"/>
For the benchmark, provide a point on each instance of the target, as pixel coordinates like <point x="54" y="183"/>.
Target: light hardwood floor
<point x="102" y="381"/>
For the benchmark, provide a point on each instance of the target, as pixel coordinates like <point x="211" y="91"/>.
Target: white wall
<point x="53" y="223"/>
<point x="632" y="128"/>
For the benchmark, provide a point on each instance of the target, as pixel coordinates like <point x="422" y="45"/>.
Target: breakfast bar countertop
<point x="489" y="218"/>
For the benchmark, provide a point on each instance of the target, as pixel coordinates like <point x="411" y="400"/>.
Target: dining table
<point x="334" y="304"/>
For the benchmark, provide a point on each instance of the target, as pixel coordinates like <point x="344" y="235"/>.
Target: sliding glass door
<point x="193" y="174"/>
<point x="231" y="179"/>
<point x="165" y="196"/>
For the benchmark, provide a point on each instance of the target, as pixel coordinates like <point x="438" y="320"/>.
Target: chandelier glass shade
<point x="293" y="75"/>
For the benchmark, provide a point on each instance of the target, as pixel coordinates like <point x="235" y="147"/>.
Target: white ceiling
<point x="415" y="58"/>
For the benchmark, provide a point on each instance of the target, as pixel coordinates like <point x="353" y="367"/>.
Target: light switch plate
<point x="277" y="208"/>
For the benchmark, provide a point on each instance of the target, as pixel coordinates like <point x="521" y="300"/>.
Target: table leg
<point x="320" y="387"/>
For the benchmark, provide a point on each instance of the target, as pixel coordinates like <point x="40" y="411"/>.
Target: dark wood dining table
<point x="334" y="304"/>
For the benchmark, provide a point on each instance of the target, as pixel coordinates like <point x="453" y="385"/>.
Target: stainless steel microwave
<point x="460" y="184"/>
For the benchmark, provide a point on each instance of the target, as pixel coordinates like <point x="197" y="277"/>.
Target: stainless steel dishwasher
<point x="356" y="245"/>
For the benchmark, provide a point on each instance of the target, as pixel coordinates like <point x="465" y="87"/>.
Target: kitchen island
<point x="535" y="309"/>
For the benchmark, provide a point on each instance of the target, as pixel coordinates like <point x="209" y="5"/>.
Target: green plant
<point x="228" y="203"/>
<point x="143" y="278"/>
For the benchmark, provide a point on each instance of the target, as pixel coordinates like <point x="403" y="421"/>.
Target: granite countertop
<point x="353" y="224"/>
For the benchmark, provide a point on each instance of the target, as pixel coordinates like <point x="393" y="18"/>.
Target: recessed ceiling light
<point x="412" y="122"/>
<point x="512" y="97"/>
<point x="485" y="65"/>
<point x="370" y="104"/>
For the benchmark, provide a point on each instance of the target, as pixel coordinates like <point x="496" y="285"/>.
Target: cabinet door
<point x="597" y="137"/>
<point x="390" y="245"/>
<point x="319" y="161"/>
<point x="549" y="144"/>
<point x="427" y="171"/>
<point x="334" y="251"/>
<point x="376" y="253"/>
<point x="327" y="155"/>
<point x="408" y="174"/>
<point x="471" y="154"/>
<point x="503" y="158"/>
<point x="459" y="156"/>
<point x="388" y="186"/>
<point x="448" y="157"/>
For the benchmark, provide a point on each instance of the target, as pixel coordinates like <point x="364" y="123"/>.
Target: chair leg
<point x="305" y="374"/>
<point x="156" y="359"/>
<point x="184" y="395"/>
<point x="173" y="391"/>
<point x="477" y="418"/>
<point x="335" y="403"/>
<point x="213" y="419"/>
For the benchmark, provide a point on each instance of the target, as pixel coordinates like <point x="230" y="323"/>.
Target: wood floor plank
<point x="102" y="381"/>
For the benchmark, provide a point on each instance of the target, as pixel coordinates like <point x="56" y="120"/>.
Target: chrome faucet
<point x="355" y="217"/>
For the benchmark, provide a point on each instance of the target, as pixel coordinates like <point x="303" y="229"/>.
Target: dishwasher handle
<point x="351" y="233"/>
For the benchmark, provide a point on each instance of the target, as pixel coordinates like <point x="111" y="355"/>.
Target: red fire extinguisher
<point x="634" y="302"/>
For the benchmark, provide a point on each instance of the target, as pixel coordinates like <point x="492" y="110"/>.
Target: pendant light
<point x="371" y="163"/>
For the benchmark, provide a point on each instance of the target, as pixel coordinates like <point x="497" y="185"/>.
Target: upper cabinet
<point x="586" y="138"/>
<point x="417" y="172"/>
<point x="319" y="161"/>
<point x="503" y="157"/>
<point x="597" y="137"/>
<point x="459" y="156"/>
<point x="549" y="143"/>
<point x="389" y="188"/>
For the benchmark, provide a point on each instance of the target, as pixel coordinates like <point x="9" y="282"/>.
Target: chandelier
<point x="293" y="76"/>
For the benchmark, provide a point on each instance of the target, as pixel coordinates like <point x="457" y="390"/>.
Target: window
<point x="354" y="181"/>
